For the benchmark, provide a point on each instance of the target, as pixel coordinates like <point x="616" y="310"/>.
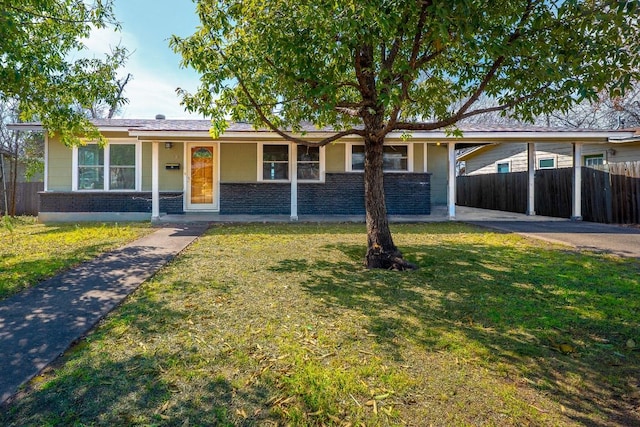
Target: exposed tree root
<point x="387" y="260"/>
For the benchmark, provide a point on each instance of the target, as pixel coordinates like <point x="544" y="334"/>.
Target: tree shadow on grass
<point x="517" y="304"/>
<point x="90" y="385"/>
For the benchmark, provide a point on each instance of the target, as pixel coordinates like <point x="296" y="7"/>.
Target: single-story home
<point x="150" y="168"/>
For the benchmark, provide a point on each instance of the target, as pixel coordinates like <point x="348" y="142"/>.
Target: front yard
<point x="31" y="252"/>
<point x="281" y="324"/>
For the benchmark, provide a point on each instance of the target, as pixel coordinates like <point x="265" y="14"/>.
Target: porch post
<point x="531" y="169"/>
<point x="451" y="182"/>
<point x="155" y="188"/>
<point x="576" y="214"/>
<point x="294" y="182"/>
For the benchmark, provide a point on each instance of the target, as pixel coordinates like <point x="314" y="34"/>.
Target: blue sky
<point x="147" y="26"/>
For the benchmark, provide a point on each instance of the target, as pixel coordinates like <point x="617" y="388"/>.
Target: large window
<point x="113" y="167"/>
<point x="395" y="158"/>
<point x="308" y="163"/>
<point x="275" y="162"/>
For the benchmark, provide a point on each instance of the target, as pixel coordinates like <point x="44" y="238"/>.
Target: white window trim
<point x="107" y="165"/>
<point x="322" y="168"/>
<point x="508" y="162"/>
<point x="261" y="161"/>
<point x="539" y="159"/>
<point x="603" y="156"/>
<point x="349" y="154"/>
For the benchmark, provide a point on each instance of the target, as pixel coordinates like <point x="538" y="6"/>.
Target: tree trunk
<point x="381" y="251"/>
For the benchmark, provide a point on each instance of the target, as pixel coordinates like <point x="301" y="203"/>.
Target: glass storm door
<point x="202" y="182"/>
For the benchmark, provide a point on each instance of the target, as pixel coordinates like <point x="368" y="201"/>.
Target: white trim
<point x="106" y="166"/>
<point x="508" y="162"/>
<point x="531" y="177"/>
<point x="322" y="168"/>
<point x="46" y="161"/>
<point x="555" y="162"/>
<point x="425" y="167"/>
<point x="451" y="181"/>
<point x="155" y="181"/>
<point x="215" y="205"/>
<point x="577" y="182"/>
<point x="293" y="153"/>
<point x="260" y="162"/>
<point x="348" y="166"/>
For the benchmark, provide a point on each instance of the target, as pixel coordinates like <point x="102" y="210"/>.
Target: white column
<point x="577" y="182"/>
<point x="294" y="182"/>
<point x="155" y="187"/>
<point x="531" y="169"/>
<point x="451" y="182"/>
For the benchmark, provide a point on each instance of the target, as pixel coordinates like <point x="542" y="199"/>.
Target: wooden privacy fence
<point x="610" y="194"/>
<point x="26" y="198"/>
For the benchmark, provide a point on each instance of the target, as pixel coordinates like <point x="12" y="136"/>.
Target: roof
<point x="471" y="132"/>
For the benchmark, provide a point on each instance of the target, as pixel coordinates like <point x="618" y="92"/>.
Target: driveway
<point x="614" y="239"/>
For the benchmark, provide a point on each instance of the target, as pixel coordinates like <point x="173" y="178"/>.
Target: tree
<point x="368" y="68"/>
<point x="37" y="40"/>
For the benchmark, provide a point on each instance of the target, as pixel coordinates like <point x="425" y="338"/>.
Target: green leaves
<point x="36" y="40"/>
<point x="287" y="61"/>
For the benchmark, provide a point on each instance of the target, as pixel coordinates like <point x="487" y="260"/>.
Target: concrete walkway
<point x="39" y="324"/>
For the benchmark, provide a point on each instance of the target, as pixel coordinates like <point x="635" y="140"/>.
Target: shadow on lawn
<point x="93" y="387"/>
<point x="517" y="313"/>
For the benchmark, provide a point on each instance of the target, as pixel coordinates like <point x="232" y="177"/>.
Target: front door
<point x="202" y="177"/>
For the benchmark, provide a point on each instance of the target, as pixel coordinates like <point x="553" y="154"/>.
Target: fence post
<point x="576" y="213"/>
<point x="531" y="187"/>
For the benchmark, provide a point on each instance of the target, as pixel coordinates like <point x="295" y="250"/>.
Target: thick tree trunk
<point x="381" y="251"/>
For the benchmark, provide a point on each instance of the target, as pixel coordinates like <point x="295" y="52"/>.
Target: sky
<point x="147" y="26"/>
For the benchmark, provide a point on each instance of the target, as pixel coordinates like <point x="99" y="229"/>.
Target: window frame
<point x="107" y="167"/>
<point x="508" y="163"/>
<point x="261" y="162"/>
<point x="321" y="170"/>
<point x="540" y="159"/>
<point x="349" y="157"/>
<point x="600" y="156"/>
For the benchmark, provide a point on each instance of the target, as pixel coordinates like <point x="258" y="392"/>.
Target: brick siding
<point x="170" y="202"/>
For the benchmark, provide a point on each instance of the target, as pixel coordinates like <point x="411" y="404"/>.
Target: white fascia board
<point x="24" y="127"/>
<point x="518" y="136"/>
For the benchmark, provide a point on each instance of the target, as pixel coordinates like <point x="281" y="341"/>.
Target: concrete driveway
<point x="614" y="239"/>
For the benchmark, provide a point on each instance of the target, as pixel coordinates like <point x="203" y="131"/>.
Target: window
<point x="308" y="163"/>
<point x="122" y="168"/>
<point x="275" y="162"/>
<point x="90" y="167"/>
<point x="503" y="167"/>
<point x="546" y="163"/>
<point x="114" y="167"/>
<point x="594" y="160"/>
<point x="395" y="158"/>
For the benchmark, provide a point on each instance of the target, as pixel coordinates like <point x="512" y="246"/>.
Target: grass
<point x="281" y="325"/>
<point x="31" y="252"/>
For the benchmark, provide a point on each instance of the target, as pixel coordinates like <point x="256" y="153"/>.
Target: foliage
<point x="31" y="252"/>
<point x="286" y="328"/>
<point x="37" y="40"/>
<point x="414" y="64"/>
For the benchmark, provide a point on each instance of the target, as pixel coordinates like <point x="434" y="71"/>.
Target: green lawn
<point x="281" y="325"/>
<point x="31" y="252"/>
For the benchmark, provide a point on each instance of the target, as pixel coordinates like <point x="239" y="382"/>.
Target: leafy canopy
<point x="404" y="64"/>
<point x="37" y="38"/>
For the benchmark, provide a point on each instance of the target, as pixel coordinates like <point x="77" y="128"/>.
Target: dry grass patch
<point x="281" y="324"/>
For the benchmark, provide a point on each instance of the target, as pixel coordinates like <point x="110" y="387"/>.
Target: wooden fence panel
<point x="610" y="194"/>
<point x="498" y="191"/>
<point x="27" y="198"/>
<point x="553" y="192"/>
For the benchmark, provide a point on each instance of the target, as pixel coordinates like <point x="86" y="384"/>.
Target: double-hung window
<point x="275" y="162"/>
<point x="112" y="167"/>
<point x="308" y="163"/>
<point x="395" y="158"/>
